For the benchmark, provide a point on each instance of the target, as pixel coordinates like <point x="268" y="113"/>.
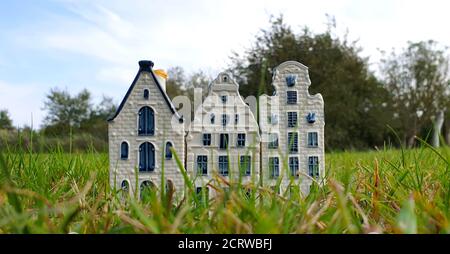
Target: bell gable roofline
<point x="146" y="65"/>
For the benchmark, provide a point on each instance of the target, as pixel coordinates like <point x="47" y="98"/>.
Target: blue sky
<point x="97" y="44"/>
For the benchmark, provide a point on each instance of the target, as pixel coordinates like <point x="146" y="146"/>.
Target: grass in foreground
<point x="389" y="191"/>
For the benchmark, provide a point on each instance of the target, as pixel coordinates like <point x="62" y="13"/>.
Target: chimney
<point x="162" y="76"/>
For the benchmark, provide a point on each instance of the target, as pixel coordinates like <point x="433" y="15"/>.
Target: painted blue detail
<point x="223" y="165"/>
<point x="313" y="166"/>
<point x="124" y="151"/>
<point x="311" y="117"/>
<point x="291" y="80"/>
<point x="224" y="120"/>
<point x="291" y="97"/>
<point x="292" y="119"/>
<point x="294" y="166"/>
<point x="202" y="165"/>
<point x="146" y="125"/>
<point x="223" y="141"/>
<point x="146" y="157"/>
<point x="313" y="139"/>
<point x="224" y="99"/>
<point x="274" y="167"/>
<point x="206" y="139"/>
<point x="240" y="140"/>
<point x="168" y="151"/>
<point x="293" y="142"/>
<point x="125" y="186"/>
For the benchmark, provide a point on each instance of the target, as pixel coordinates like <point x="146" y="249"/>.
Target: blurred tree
<point x="96" y="124"/>
<point x="198" y="79"/>
<point x="175" y="82"/>
<point x="5" y="120"/>
<point x="357" y="106"/>
<point x="417" y="78"/>
<point x="65" y="111"/>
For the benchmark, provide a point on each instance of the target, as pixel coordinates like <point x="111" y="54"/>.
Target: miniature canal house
<point x="224" y="137"/>
<point x="285" y="146"/>
<point x="141" y="133"/>
<point x="292" y="130"/>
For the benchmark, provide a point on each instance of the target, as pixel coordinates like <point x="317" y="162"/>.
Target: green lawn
<point x="381" y="191"/>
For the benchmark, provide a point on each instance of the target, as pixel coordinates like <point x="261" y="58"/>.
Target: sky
<point x="97" y="44"/>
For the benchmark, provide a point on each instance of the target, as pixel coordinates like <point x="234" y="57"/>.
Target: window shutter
<point x="151" y="122"/>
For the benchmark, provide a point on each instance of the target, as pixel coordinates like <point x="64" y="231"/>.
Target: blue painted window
<point x="240" y="140"/>
<point x="311" y="117"/>
<point x="291" y="97"/>
<point x="168" y="151"/>
<point x="146" y="94"/>
<point x="246" y="165"/>
<point x="146" y="157"/>
<point x="124" y="150"/>
<point x="202" y="165"/>
<point x="224" y="99"/>
<point x="223" y="165"/>
<point x="313" y="166"/>
<point x="293" y="142"/>
<point x="293" y="166"/>
<point x="125" y="186"/>
<point x="223" y="141"/>
<point x="274" y="167"/>
<point x="206" y="139"/>
<point x="146" y="188"/>
<point x="292" y="119"/>
<point x="291" y="80"/>
<point x="273" y="141"/>
<point x="146" y="122"/>
<point x="213" y="118"/>
<point x="236" y="119"/>
<point x="313" y="139"/>
<point x="202" y="194"/>
<point x="224" y="119"/>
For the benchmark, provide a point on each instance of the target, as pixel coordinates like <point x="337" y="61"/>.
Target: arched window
<point x="125" y="186"/>
<point x="147" y="188"/>
<point x="170" y="187"/>
<point x="146" y="92"/>
<point x="146" y="157"/>
<point x="168" y="151"/>
<point x="146" y="121"/>
<point x="124" y="151"/>
<point x="212" y="118"/>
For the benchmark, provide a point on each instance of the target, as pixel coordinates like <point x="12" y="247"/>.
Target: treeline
<point x="72" y="123"/>
<point x="408" y="98"/>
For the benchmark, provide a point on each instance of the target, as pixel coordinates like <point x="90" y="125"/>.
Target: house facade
<point x="141" y="133"/>
<point x="292" y="131"/>
<point x="223" y="140"/>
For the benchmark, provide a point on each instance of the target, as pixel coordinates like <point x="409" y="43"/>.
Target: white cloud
<point x="24" y="103"/>
<point x="202" y="34"/>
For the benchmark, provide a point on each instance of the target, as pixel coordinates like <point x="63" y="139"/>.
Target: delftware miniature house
<point x="224" y="138"/>
<point x="141" y="133"/>
<point x="292" y="129"/>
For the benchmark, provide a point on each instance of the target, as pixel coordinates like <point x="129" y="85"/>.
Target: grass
<point x="388" y="191"/>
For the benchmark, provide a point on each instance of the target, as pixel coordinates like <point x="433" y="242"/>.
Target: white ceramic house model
<point x="145" y="125"/>
<point x="224" y="140"/>
<point x="224" y="137"/>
